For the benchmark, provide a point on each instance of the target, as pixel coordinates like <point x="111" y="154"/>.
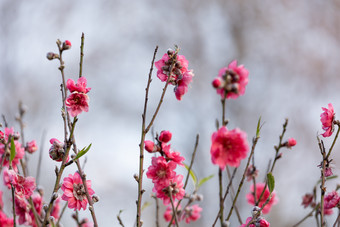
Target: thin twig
<point x="141" y="145"/>
<point x="310" y="214"/>
<point x="233" y="195"/>
<point x="81" y="55"/>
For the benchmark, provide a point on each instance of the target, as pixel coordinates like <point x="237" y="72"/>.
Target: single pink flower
<point x="178" y="192"/>
<point x="192" y="213"/>
<point x="331" y="200"/>
<point x="5" y="221"/>
<point x="31" y="147"/>
<point x="77" y="103"/>
<point x="228" y="147"/>
<point x="165" y="136"/>
<point x="307" y="200"/>
<point x="180" y="76"/>
<point x="74" y="191"/>
<point x="233" y="81"/>
<point x="80" y="86"/>
<point x="291" y="142"/>
<point x="259" y="189"/>
<point x="328" y="172"/>
<point x="56" y="151"/>
<point x="327" y="118"/>
<point x="172" y="155"/>
<point x="161" y="171"/>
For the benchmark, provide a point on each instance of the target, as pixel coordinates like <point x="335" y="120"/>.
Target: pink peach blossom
<point x="149" y="146"/>
<point x="259" y="189"/>
<point x="56" y="151"/>
<point x="80" y="86"/>
<point x="327" y="118"/>
<point x="31" y="147"/>
<point x="24" y="186"/>
<point x="233" y="81"/>
<point x="182" y="84"/>
<point x="291" y="142"/>
<point x="22" y="209"/>
<point x="192" y="213"/>
<point x="55" y="212"/>
<point x="228" y="147"/>
<point x="19" y="150"/>
<point x="307" y="200"/>
<point x="260" y="222"/>
<point x="168" y="212"/>
<point x="74" y="191"/>
<point x="76" y="103"/>
<point x="178" y="191"/>
<point x="331" y="200"/>
<point x="172" y="155"/>
<point x="161" y="171"/>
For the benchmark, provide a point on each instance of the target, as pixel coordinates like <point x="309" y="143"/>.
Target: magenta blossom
<point x="80" y="86"/>
<point x="161" y="171"/>
<point x="77" y="103"/>
<point x="260" y="222"/>
<point x="176" y="187"/>
<point x="22" y="209"/>
<point x="24" y="186"/>
<point x="259" y="189"/>
<point x="165" y="136"/>
<point x="228" y="147"/>
<point x="327" y="119"/>
<point x="179" y="76"/>
<point x="31" y="147"/>
<point x="332" y="199"/>
<point x="231" y="81"/>
<point x="5" y="221"/>
<point x="192" y="213"/>
<point x="74" y="191"/>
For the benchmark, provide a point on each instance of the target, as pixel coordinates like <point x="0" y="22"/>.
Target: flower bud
<point x="66" y="45"/>
<point x="95" y="198"/>
<point x="50" y="56"/>
<point x="149" y="146"/>
<point x="165" y="136"/>
<point x="217" y="83"/>
<point x="31" y="147"/>
<point x="56" y="151"/>
<point x="291" y="142"/>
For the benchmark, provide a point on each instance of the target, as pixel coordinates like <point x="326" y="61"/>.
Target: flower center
<point x="79" y="191"/>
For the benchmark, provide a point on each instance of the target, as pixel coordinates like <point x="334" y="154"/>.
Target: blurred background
<point x="291" y="49"/>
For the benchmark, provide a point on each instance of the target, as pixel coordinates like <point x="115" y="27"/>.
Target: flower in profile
<point x="179" y="76"/>
<point x="80" y="86"/>
<point x="327" y="118"/>
<point x="56" y="151"/>
<point x="331" y="200"/>
<point x="231" y="81"/>
<point x="31" y="147"/>
<point x="192" y="213"/>
<point x="74" y="191"/>
<point x="307" y="200"/>
<point x="22" y="209"/>
<point x="228" y="147"/>
<point x="259" y="189"/>
<point x="55" y="212"/>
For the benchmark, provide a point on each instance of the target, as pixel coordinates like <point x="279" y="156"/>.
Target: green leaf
<point x="82" y="152"/>
<point x="192" y="174"/>
<point x="271" y="182"/>
<point x="258" y="128"/>
<point x="205" y="179"/>
<point x="12" y="150"/>
<point x="145" y="205"/>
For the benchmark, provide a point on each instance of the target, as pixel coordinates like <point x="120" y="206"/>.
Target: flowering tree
<point x="229" y="148"/>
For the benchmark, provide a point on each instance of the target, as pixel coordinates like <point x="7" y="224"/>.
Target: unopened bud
<point x="199" y="197"/>
<point x="149" y="146"/>
<point x="66" y="45"/>
<point x="45" y="207"/>
<point x="217" y="83"/>
<point x="170" y="52"/>
<point x="50" y="56"/>
<point x="95" y="198"/>
<point x="136" y="177"/>
<point x="165" y="136"/>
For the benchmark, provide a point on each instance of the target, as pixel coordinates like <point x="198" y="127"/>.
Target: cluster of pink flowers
<point x="74" y="191"/>
<point x="162" y="170"/>
<point x="77" y="101"/>
<point x="327" y="120"/>
<point x="189" y="214"/>
<point x="228" y="147"/>
<point x="231" y="81"/>
<point x="180" y="76"/>
<point x="259" y="188"/>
